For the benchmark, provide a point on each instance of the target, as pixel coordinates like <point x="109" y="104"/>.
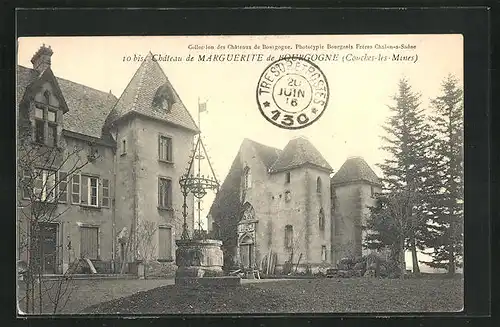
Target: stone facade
<point x="118" y="187"/>
<point x="293" y="210"/>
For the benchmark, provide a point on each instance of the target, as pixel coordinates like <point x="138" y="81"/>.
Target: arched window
<point x="321" y="217"/>
<point x="247" y="178"/>
<point x="288" y="236"/>
<point x="163" y="98"/>
<point x="318" y="185"/>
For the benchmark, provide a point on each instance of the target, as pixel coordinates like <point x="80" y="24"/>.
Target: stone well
<point x="198" y="258"/>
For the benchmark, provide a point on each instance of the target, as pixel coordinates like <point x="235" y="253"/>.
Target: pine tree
<point x="407" y="143"/>
<point x="445" y="230"/>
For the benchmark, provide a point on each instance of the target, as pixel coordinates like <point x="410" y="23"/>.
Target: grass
<point x="294" y="296"/>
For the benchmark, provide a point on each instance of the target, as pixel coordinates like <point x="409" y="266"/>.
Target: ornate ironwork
<point x="197" y="184"/>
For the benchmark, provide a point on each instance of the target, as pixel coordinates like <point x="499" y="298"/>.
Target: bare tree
<point x="43" y="175"/>
<point x="144" y="246"/>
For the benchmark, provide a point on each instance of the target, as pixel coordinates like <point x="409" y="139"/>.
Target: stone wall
<point x="351" y="210"/>
<point x="278" y="204"/>
<point x="150" y="168"/>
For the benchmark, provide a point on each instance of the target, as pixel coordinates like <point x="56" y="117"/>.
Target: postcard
<point x="240" y="174"/>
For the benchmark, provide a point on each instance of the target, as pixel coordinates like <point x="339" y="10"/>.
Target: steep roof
<point x="141" y="94"/>
<point x="88" y="107"/>
<point x="353" y="170"/>
<point x="298" y="152"/>
<point x="266" y="153"/>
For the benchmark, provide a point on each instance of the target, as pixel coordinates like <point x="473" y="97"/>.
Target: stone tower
<point x="154" y="134"/>
<point x="353" y="188"/>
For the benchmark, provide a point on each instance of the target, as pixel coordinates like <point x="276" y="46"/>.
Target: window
<point x="52" y="135"/>
<point x="89" y="247"/>
<point x="247" y="178"/>
<point x="38" y="113"/>
<point x="321" y="217"/>
<point x="288" y="197"/>
<point x="44" y="185"/>
<point x="62" y="191"/>
<point x="165" y="148"/>
<point x="45" y="119"/>
<point x="164" y="193"/>
<point x="323" y="253"/>
<point x="288" y="236"/>
<point x="105" y="193"/>
<point x="90" y="191"/>
<point x="372" y="190"/>
<point x="165" y="243"/>
<point x="318" y="185"/>
<point x="75" y="189"/>
<point x="51" y="116"/>
<point x="39" y="131"/>
<point x="25" y="184"/>
<point x="287" y="177"/>
<point x="124" y="147"/>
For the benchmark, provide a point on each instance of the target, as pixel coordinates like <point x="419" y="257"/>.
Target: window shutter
<point x="106" y="193"/>
<point x="165" y="240"/>
<point x="75" y="189"/>
<point x="62" y="192"/>
<point x="89" y="242"/>
<point x="85" y="190"/>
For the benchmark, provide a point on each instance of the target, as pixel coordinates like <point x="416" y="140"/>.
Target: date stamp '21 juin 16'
<point x="292" y="93"/>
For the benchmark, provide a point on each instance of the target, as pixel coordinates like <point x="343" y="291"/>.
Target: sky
<point x="359" y="92"/>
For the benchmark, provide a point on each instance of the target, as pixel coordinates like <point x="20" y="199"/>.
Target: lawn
<point x="305" y="295"/>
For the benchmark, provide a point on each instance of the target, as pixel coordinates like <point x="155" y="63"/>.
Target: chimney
<point x="41" y="59"/>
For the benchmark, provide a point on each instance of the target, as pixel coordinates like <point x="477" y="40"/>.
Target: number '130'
<point x="288" y="120"/>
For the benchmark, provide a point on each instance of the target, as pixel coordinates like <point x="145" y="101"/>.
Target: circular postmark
<point x="292" y="93"/>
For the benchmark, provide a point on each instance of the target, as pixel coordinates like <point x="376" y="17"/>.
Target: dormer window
<point x="163" y="98"/>
<point x="45" y="124"/>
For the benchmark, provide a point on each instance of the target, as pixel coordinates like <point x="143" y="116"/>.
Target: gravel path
<point x="87" y="292"/>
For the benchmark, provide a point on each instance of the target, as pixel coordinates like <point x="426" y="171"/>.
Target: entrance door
<point x="48" y="237"/>
<point x="246" y="252"/>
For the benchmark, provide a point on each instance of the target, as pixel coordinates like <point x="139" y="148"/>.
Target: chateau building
<point x="94" y="168"/>
<point x="283" y="204"/>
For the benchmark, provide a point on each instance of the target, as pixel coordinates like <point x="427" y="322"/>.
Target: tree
<point x="390" y="223"/>
<point x="144" y="246"/>
<point x="43" y="175"/>
<point x="407" y="144"/>
<point x="445" y="233"/>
